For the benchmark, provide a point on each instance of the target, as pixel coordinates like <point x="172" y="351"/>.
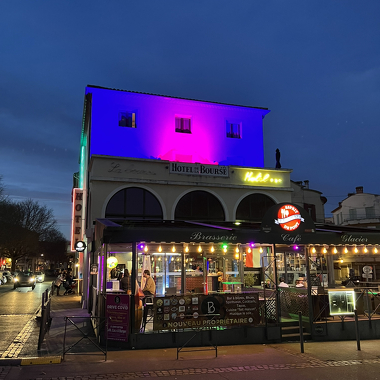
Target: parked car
<point x="8" y="275"/>
<point x="40" y="276"/>
<point x="3" y="278"/>
<point x="24" y="279"/>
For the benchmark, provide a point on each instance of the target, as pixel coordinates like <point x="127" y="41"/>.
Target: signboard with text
<point x="117" y="314"/>
<point x="202" y="311"/>
<point x="77" y="218"/>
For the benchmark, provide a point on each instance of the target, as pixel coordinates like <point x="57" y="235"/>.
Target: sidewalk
<point x="163" y="362"/>
<point x="52" y="347"/>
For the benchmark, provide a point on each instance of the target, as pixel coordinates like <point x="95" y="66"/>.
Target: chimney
<point x="306" y="182"/>
<point x="359" y="190"/>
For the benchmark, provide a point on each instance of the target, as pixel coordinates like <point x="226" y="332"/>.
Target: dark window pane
<point x="253" y="207"/>
<point x="134" y="203"/>
<point x="152" y="206"/>
<point x="199" y="205"/>
<point x="115" y="205"/>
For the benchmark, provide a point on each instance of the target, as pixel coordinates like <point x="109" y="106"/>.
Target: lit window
<point x="127" y="119"/>
<point x="233" y="130"/>
<point x="183" y="124"/>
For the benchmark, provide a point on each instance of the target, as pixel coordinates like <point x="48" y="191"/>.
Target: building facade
<point x="178" y="187"/>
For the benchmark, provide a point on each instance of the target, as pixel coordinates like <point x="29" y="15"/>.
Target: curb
<point x="30" y="361"/>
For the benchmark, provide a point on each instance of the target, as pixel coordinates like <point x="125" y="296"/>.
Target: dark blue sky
<point x="314" y="64"/>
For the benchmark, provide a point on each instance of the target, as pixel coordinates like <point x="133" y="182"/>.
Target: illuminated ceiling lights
<point x="173" y="249"/>
<point x="187" y="249"/>
<point x="365" y="250"/>
<point x="324" y="250"/>
<point x="313" y="250"/>
<point x="199" y="248"/>
<point x="159" y="249"/>
<point x="146" y="248"/>
<point x="375" y="250"/>
<point x="212" y="249"/>
<point x="335" y="250"/>
<point x="345" y="250"/>
<point x="356" y="249"/>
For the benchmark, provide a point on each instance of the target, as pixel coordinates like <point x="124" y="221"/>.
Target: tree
<point x="27" y="227"/>
<point x="2" y="189"/>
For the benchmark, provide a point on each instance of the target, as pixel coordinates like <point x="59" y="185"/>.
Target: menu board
<point x="342" y="302"/>
<point x="202" y="311"/>
<point x="117" y="314"/>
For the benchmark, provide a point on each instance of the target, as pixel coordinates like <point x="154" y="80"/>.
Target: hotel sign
<point x="77" y="222"/>
<point x="266" y="178"/>
<point x="198" y="169"/>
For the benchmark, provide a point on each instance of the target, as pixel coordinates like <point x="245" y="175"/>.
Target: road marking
<point x="22" y="337"/>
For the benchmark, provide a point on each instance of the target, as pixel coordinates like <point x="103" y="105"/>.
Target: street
<point x="17" y="311"/>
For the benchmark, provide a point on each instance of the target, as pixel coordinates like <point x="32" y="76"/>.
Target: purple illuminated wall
<point x="155" y="137"/>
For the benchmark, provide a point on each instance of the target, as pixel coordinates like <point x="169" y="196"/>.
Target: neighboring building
<point x="359" y="209"/>
<point x="311" y="200"/>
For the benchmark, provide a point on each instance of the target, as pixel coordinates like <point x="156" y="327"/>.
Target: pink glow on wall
<point x="155" y="137"/>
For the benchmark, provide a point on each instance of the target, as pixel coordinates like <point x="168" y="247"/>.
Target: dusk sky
<point x="314" y="64"/>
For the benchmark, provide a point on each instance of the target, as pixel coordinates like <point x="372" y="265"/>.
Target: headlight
<point x="15" y="279"/>
<point x="31" y="279"/>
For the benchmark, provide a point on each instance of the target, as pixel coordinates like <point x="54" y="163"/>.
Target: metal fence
<point x="45" y="320"/>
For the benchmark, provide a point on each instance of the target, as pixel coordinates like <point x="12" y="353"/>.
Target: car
<point x="40" y="276"/>
<point x="8" y="275"/>
<point x="24" y="279"/>
<point x="3" y="278"/>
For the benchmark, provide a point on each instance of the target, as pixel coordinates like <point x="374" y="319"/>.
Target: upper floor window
<point x="183" y="124"/>
<point x="233" y="130"/>
<point x="127" y="119"/>
<point x="352" y="213"/>
<point x="370" y="212"/>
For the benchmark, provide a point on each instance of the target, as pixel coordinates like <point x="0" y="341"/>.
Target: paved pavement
<point x="321" y="360"/>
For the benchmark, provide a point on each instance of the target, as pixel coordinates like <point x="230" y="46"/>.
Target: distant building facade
<point x="359" y="209"/>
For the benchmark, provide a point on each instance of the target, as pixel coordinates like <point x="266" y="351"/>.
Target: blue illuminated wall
<point x="155" y="137"/>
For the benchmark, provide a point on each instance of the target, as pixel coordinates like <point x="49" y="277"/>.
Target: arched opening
<point x="199" y="205"/>
<point x="253" y="207"/>
<point x="133" y="203"/>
